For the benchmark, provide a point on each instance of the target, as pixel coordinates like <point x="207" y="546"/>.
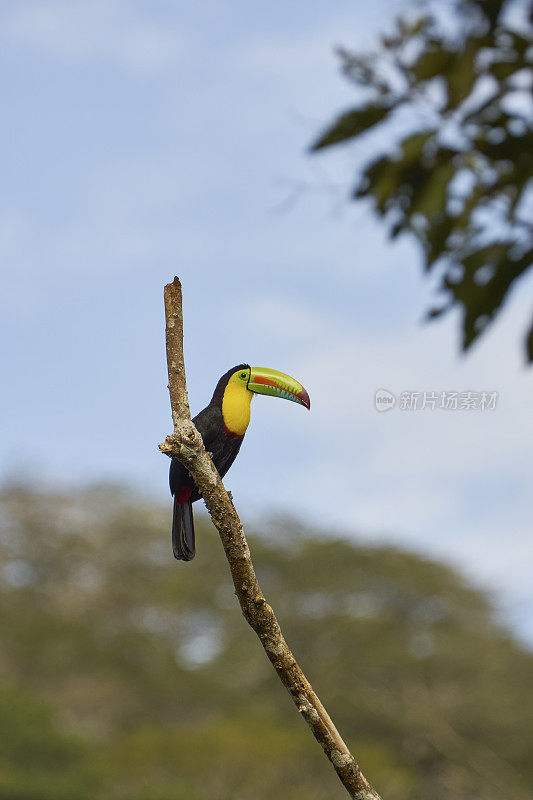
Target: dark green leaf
<point x="503" y="69"/>
<point x="432" y="63"/>
<point x="379" y="180"/>
<point x="397" y="228"/>
<point x="491" y="9"/>
<point x="511" y="148"/>
<point x="351" y="124"/>
<point x="430" y="199"/>
<point x="481" y="301"/>
<point x="412" y="147"/>
<point x="434" y="313"/>
<point x="411" y="28"/>
<point x="436" y="237"/>
<point x="461" y="74"/>
<point x="520" y="44"/>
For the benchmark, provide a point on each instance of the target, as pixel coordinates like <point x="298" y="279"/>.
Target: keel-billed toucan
<point x="222" y="425"/>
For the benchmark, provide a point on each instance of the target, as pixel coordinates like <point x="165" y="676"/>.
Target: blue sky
<point x="147" y="139"/>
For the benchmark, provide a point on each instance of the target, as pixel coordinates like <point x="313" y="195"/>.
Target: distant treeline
<point x="127" y="676"/>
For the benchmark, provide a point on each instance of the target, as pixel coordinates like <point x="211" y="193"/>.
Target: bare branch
<point x="177" y="384"/>
<point x="186" y="444"/>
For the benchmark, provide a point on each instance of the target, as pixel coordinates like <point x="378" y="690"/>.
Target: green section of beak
<point x="270" y="381"/>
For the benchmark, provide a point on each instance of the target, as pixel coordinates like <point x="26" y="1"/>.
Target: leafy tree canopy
<point x="448" y="100"/>
<point x="39" y="761"/>
<point x="150" y="663"/>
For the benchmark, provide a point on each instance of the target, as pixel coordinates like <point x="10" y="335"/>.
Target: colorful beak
<point x="277" y="384"/>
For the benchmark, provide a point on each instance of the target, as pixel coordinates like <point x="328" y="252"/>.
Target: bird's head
<point x="261" y="380"/>
<point x="236" y="388"/>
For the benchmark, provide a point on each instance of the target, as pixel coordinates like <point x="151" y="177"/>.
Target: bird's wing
<point x="223" y="447"/>
<point x="206" y="422"/>
<point x="210" y="424"/>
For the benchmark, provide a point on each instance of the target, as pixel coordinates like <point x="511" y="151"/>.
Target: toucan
<point x="222" y="425"/>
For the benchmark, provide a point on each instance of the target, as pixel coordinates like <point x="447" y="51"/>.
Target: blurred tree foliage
<point x="448" y="100"/>
<point x="127" y="676"/>
<point x="37" y="759"/>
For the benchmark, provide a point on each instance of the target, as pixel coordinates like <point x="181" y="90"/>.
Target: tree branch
<point x="177" y="384"/>
<point x="186" y="444"/>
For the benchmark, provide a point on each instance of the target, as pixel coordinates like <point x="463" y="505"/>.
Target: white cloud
<point x="77" y="31"/>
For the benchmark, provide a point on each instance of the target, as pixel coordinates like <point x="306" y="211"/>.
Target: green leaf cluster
<point x="462" y="181"/>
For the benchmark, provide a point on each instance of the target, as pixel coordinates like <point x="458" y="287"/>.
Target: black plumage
<point x="223" y="447"/>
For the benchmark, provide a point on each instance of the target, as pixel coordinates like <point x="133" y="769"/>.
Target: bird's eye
<point x="243" y="375"/>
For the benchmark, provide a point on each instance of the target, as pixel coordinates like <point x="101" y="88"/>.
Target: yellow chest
<point x="236" y="408"/>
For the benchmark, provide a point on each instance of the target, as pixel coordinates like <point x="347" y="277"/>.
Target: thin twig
<point x="186" y="444"/>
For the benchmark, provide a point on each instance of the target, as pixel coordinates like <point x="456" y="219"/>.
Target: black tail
<point x="183" y="545"/>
